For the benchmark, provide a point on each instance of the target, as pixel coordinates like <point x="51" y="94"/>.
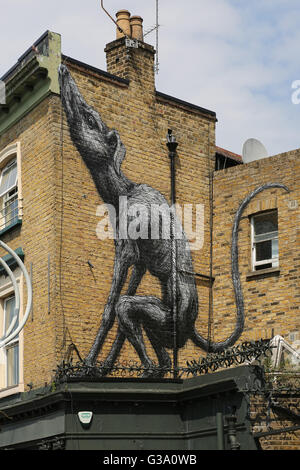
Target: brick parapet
<point x="271" y="301"/>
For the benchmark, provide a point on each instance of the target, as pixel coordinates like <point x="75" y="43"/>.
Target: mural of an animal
<point x="103" y="152"/>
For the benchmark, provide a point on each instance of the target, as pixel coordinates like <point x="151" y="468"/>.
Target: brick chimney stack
<point x="128" y="56"/>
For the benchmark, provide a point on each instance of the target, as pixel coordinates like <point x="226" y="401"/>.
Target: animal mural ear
<point x="112" y="140"/>
<point x="117" y="148"/>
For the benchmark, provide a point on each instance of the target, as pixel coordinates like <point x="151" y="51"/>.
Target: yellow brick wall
<point x="37" y="236"/>
<point x="272" y="425"/>
<point x="142" y="120"/>
<point x="271" y="302"/>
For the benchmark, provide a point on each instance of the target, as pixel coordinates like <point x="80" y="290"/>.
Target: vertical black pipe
<point x="172" y="146"/>
<point x="211" y="197"/>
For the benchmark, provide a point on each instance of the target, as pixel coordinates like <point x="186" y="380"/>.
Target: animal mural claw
<point x="103" y="152"/>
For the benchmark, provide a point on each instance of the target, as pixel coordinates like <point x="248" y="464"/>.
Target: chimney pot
<point x="136" y="23"/>
<point x="123" y="22"/>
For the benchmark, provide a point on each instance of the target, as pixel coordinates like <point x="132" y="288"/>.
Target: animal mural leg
<point x="164" y="360"/>
<point x="151" y="313"/>
<point x="124" y="258"/>
<point x="136" y="277"/>
<point x="122" y="334"/>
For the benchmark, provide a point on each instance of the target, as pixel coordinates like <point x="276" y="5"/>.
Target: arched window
<point x="10" y="186"/>
<point x="9" y="194"/>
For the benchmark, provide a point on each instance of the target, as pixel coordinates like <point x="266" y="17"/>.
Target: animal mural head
<point x="96" y="143"/>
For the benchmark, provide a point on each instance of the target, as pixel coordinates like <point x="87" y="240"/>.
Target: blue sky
<point x="236" y="57"/>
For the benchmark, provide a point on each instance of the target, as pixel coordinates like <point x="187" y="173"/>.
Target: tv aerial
<point x="155" y="28"/>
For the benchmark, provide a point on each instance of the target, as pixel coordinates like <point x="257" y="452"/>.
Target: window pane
<point x="263" y="266"/>
<point x="13" y="365"/>
<point x="266" y="223"/>
<point x="12" y="351"/>
<point x="11" y="210"/>
<point x="4" y="182"/>
<point x="275" y="251"/>
<point x="9" y="308"/>
<point x="12" y="175"/>
<point x="264" y="250"/>
<point x="9" y="178"/>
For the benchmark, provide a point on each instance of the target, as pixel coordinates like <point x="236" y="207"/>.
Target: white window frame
<point x="280" y="345"/>
<point x="12" y="344"/>
<point x="7" y="291"/>
<point x="8" y="197"/>
<point x="11" y="163"/>
<point x="265" y="237"/>
<point x="9" y="154"/>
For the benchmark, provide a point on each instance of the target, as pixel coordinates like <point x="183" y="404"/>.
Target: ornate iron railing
<point x="284" y="381"/>
<point x="9" y="213"/>
<point x="247" y="352"/>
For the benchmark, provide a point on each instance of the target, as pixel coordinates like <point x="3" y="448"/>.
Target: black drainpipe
<point x="172" y="146"/>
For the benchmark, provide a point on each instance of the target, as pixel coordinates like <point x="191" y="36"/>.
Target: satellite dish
<point x="253" y="150"/>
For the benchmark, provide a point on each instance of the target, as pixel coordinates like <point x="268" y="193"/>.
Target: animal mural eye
<point x="91" y="122"/>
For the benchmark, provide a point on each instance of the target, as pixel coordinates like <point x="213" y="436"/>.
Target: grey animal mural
<point x="103" y="152"/>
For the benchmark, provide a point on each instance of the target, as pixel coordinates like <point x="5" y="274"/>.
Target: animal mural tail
<point x="103" y="152"/>
<point x="236" y="280"/>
